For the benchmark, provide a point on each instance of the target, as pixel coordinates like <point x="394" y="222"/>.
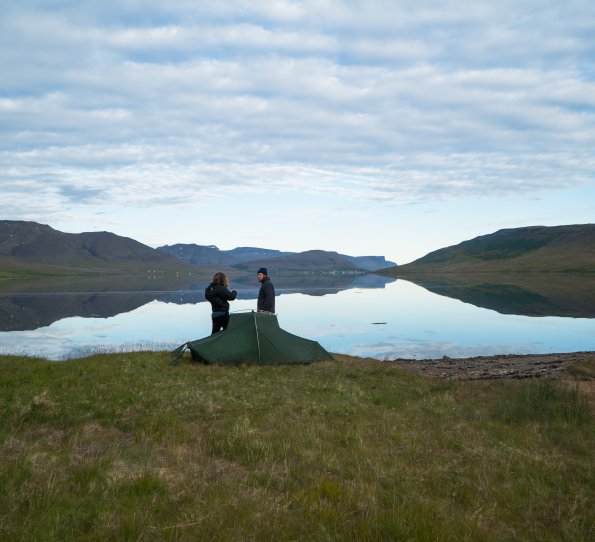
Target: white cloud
<point x="146" y="103"/>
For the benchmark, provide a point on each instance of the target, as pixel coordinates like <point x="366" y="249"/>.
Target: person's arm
<point x="230" y="296"/>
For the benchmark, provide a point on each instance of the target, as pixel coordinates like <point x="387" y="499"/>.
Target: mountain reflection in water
<point x="544" y="294"/>
<point x="31" y="305"/>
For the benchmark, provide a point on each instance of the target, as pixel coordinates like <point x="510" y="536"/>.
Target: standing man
<point x="266" y="294"/>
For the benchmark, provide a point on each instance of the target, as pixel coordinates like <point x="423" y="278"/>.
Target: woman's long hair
<point x="220" y="278"/>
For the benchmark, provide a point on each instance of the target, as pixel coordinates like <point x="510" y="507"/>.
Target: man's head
<point x="261" y="274"/>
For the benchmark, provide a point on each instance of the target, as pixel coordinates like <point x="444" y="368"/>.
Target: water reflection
<point x="32" y="305"/>
<point x="342" y="313"/>
<point x="545" y="294"/>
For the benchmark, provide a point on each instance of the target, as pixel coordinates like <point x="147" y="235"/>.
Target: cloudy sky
<point x="368" y="127"/>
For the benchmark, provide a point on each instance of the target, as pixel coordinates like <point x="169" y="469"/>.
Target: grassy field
<point x="127" y="447"/>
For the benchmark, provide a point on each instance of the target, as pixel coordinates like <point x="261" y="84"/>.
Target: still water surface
<point x="381" y="318"/>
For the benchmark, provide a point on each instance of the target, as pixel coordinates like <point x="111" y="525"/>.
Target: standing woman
<point x="219" y="296"/>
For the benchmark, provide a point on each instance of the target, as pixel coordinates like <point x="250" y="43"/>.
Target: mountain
<point x="568" y="249"/>
<point x="211" y="255"/>
<point x="370" y="263"/>
<point x="309" y="261"/>
<point x="33" y="247"/>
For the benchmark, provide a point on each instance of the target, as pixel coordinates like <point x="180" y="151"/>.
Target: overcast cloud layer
<point x="108" y="108"/>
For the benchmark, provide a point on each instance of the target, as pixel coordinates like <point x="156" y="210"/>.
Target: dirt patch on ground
<point x="558" y="366"/>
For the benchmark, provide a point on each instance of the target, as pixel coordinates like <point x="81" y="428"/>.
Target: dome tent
<point x="256" y="338"/>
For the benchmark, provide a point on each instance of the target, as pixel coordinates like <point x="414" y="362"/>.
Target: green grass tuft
<point x="545" y="400"/>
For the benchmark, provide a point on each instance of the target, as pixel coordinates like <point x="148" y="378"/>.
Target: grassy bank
<point x="127" y="447"/>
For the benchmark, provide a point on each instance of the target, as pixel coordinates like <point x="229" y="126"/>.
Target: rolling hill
<point x="32" y="247"/>
<point x="567" y="249"/>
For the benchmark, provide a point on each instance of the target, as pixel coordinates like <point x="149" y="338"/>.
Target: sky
<point x="373" y="127"/>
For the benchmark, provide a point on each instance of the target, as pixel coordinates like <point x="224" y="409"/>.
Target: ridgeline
<point x="535" y="249"/>
<point x="32" y="249"/>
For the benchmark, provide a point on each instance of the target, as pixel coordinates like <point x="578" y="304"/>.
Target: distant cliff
<point x="310" y="261"/>
<point x="568" y="249"/>
<point x="211" y="255"/>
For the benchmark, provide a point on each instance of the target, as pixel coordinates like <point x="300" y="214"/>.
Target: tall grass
<point x="126" y="447"/>
<point x="546" y="401"/>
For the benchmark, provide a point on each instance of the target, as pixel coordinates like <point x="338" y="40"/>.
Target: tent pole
<point x="257" y="339"/>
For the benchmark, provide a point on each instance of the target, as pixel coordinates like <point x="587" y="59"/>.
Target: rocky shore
<point x="505" y="366"/>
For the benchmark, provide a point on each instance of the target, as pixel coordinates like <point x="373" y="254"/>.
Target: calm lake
<point x="364" y="315"/>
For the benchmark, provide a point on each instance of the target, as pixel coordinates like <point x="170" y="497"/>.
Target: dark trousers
<point x="219" y="323"/>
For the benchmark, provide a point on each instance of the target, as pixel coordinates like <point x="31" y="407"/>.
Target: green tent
<point x="253" y="337"/>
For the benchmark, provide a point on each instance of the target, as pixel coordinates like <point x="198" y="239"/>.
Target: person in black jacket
<point x="219" y="297"/>
<point x="266" y="294"/>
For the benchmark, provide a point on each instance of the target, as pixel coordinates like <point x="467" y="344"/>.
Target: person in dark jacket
<point x="219" y="297"/>
<point x="266" y="294"/>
